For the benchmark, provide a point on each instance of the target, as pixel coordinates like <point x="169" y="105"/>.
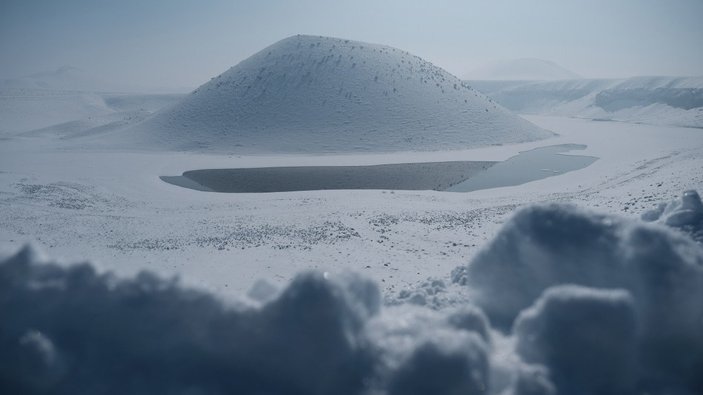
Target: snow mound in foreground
<point x="582" y="303"/>
<point x="322" y="94"/>
<point x="685" y="214"/>
<point x="644" y="303"/>
<point x="65" y="330"/>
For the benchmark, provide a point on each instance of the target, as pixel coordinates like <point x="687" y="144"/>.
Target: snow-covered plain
<point x="112" y="208"/>
<point x="553" y="286"/>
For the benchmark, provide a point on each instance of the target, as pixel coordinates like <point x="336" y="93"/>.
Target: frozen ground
<point x="112" y="208"/>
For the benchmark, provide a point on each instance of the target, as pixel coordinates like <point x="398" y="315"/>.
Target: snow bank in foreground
<point x="581" y="303"/>
<point x="685" y="214"/>
<point x="72" y="330"/>
<point x="639" y="324"/>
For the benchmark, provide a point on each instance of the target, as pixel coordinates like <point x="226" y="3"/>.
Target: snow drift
<point x="652" y="312"/>
<point x="321" y="94"/>
<point x="685" y="214"/>
<point x="580" y="303"/>
<point x="72" y="330"/>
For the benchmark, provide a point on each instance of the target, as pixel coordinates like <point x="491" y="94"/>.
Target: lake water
<point x="456" y="176"/>
<point x="436" y="176"/>
<point x="527" y="166"/>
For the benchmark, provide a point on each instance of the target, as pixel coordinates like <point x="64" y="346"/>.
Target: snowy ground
<point x="548" y="299"/>
<point x="111" y="208"/>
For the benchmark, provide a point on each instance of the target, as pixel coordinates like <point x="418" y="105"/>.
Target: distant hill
<point x="64" y="78"/>
<point x="528" y="69"/>
<point x="322" y="94"/>
<point x="73" y="79"/>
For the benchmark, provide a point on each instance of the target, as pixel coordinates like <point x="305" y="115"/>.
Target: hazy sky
<point x="184" y="43"/>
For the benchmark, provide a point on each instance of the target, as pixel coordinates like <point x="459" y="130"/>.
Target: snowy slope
<point x="658" y="100"/>
<point x="320" y="94"/>
<point x="527" y="69"/>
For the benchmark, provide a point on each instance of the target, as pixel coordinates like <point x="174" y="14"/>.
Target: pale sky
<point x="174" y="43"/>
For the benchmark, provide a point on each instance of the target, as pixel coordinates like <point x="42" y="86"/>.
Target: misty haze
<point x="373" y="198"/>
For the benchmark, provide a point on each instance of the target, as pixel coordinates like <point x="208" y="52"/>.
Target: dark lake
<point x="455" y="176"/>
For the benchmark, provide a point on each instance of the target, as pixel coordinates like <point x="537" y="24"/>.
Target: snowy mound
<point x="685" y="214"/>
<point x="570" y="302"/>
<point x="318" y="336"/>
<point x="603" y="302"/>
<point x="528" y="69"/>
<point x="320" y="94"/>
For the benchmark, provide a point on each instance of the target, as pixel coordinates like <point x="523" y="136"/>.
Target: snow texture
<point x="587" y="338"/>
<point x="73" y="330"/>
<point x="685" y="214"/>
<point x="655" y="280"/>
<point x="581" y="303"/>
<point x="321" y="94"/>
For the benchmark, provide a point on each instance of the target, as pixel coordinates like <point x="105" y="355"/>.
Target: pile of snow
<point x="685" y="214"/>
<point x="321" y="94"/>
<point x="569" y="302"/>
<point x="527" y="69"/>
<point x="674" y="101"/>
<point x="72" y="330"/>
<point x="587" y="337"/>
<point x="632" y="313"/>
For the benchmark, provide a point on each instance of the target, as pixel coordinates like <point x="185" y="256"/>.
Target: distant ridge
<point x="321" y="94"/>
<point x="658" y="100"/>
<point x="527" y="69"/>
<point x="64" y="78"/>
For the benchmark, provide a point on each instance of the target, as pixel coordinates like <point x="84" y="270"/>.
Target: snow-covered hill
<point x="321" y="94"/>
<point x="674" y="101"/>
<point x="527" y="69"/>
